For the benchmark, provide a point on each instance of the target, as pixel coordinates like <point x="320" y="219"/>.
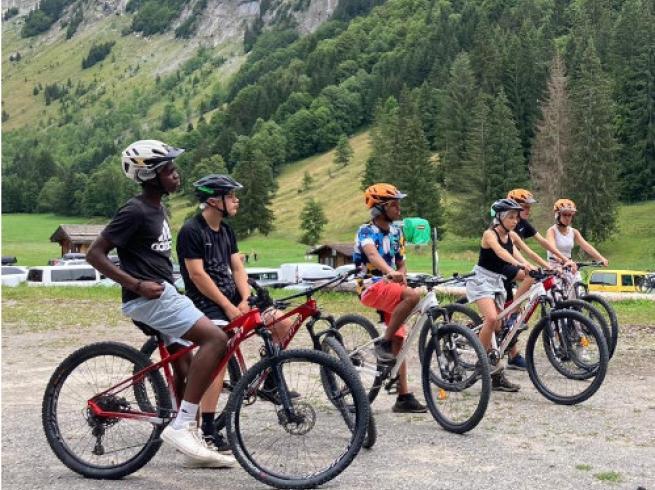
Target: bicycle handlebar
<point x="431" y="281"/>
<point x="593" y="263"/>
<point x="541" y="274"/>
<point x="263" y="299"/>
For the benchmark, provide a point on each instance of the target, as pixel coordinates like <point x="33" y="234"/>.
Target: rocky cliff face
<point x="222" y="20"/>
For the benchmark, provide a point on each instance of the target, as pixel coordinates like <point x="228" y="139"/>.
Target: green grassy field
<point x="86" y="307"/>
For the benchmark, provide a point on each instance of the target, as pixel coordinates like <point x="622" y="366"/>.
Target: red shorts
<point x="385" y="296"/>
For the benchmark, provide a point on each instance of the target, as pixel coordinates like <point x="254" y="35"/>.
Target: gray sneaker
<point x="500" y="383"/>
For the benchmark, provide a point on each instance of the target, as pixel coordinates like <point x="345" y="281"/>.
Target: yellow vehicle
<point x="616" y="281"/>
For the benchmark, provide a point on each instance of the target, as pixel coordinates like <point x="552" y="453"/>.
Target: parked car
<point x="344" y="269"/>
<point x="295" y="273"/>
<point x="64" y="275"/>
<point x="616" y="281"/>
<point x="264" y="276"/>
<point x="13" y="275"/>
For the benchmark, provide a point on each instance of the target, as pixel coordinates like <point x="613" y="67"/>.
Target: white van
<point x="295" y="273"/>
<point x="64" y="275"/>
<point x="264" y="276"/>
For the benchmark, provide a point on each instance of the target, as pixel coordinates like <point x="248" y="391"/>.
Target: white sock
<point x="187" y="413"/>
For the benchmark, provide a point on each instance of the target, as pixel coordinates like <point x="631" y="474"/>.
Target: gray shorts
<point x="485" y="284"/>
<point x="172" y="314"/>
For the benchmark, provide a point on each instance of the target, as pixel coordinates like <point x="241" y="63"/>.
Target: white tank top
<point x="563" y="243"/>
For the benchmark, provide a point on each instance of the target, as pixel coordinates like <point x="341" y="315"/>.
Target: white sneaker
<point x="188" y="441"/>
<point x="220" y="461"/>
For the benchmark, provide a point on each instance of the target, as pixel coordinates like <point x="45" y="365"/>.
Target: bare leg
<point x="280" y="329"/>
<point x="210" y="398"/>
<point x="403" y="381"/>
<point x="410" y="298"/>
<point x="180" y="371"/>
<point x="487" y="307"/>
<point x="212" y="344"/>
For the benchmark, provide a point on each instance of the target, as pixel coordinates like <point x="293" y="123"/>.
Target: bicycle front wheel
<point x="332" y="346"/>
<point x="312" y="439"/>
<point x="455" y="377"/>
<point x="96" y="446"/>
<point x="455" y="313"/>
<point x="567" y="357"/>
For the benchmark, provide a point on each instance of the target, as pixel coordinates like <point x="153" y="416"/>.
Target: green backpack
<point x="417" y="231"/>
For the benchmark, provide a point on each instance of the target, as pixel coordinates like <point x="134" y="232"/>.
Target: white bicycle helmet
<point x="142" y="158"/>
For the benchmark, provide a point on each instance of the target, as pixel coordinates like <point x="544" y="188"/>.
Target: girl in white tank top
<point x="563" y="242"/>
<point x="564" y="237"/>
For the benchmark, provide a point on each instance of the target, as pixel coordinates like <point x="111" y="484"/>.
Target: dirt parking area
<point x="524" y="440"/>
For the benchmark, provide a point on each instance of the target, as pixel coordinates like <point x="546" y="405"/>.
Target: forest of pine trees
<point x="463" y="99"/>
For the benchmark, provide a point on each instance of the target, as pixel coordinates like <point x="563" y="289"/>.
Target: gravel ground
<point x="524" y="441"/>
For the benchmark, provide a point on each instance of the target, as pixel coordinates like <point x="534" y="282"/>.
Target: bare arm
<point x="378" y="262"/>
<point x="523" y="247"/>
<point x="588" y="248"/>
<point x="208" y="288"/>
<point x="97" y="257"/>
<point x="241" y="280"/>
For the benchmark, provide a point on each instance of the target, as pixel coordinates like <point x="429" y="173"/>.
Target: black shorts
<point x="510" y="272"/>
<point x="215" y="312"/>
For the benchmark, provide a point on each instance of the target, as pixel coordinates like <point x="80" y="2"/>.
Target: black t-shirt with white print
<point x="143" y="240"/>
<point x="197" y="240"/>
<point x="524" y="229"/>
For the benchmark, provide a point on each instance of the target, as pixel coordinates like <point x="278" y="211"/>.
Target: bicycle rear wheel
<point x="95" y="446"/>
<point x="333" y="347"/>
<point x="587" y="309"/>
<point x="455" y="377"/>
<point x="357" y="333"/>
<point x="605" y="309"/>
<point x="311" y="443"/>
<point x="567" y="357"/>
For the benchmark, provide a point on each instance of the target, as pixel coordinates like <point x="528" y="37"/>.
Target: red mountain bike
<point x="327" y="339"/>
<point x="105" y="407"/>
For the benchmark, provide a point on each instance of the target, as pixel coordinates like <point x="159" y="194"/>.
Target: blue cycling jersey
<point x="389" y="244"/>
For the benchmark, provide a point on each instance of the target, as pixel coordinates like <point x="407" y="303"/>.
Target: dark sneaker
<point x="408" y="404"/>
<point x="217" y="442"/>
<point x="383" y="351"/>
<point x="518" y="363"/>
<point x="500" y="383"/>
<point x="269" y="390"/>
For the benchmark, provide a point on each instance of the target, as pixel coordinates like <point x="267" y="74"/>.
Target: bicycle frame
<point x="239" y="329"/>
<point x="534" y="296"/>
<point x="309" y="309"/>
<point x="424" y="310"/>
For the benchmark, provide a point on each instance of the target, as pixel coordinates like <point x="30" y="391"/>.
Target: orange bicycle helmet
<point x="381" y="193"/>
<point x="564" y="205"/>
<point x="521" y="196"/>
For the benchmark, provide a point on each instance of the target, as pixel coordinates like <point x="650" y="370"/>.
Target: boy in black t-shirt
<point x="214" y="276"/>
<point x="141" y="233"/>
